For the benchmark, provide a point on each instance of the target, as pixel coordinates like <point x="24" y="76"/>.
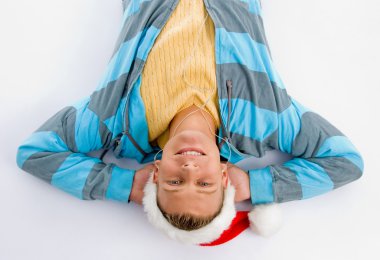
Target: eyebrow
<point x="199" y="191"/>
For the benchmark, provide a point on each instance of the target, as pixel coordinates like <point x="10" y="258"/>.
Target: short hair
<point x="187" y="221"/>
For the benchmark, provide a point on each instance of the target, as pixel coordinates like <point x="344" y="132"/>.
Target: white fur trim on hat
<point x="206" y="234"/>
<point x="265" y="219"/>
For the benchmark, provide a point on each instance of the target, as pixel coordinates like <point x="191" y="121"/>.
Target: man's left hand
<point x="240" y="180"/>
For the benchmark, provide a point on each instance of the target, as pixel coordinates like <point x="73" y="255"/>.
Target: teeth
<point x="191" y="153"/>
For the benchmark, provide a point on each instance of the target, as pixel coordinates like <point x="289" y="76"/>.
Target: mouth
<point x="190" y="151"/>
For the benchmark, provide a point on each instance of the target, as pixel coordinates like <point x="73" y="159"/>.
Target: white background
<point x="53" y="53"/>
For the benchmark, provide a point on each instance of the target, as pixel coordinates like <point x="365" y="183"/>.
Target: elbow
<point x="21" y="156"/>
<point x="355" y="164"/>
<point x="341" y="160"/>
<point x="351" y="169"/>
<point x="26" y="150"/>
<point x="25" y="156"/>
<point x="359" y="165"/>
<point x="37" y="145"/>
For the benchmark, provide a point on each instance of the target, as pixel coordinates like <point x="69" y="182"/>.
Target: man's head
<point x="190" y="187"/>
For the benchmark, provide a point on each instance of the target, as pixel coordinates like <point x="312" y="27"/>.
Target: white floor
<point x="53" y="52"/>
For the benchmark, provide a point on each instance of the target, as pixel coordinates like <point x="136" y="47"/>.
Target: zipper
<point x="229" y="94"/>
<point x="140" y="69"/>
<point x="134" y="142"/>
<point x="126" y="126"/>
<point x="228" y="84"/>
<point x="126" y="122"/>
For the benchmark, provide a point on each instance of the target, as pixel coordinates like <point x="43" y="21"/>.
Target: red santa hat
<point x="264" y="220"/>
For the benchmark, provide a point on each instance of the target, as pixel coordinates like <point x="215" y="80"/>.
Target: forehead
<point x="203" y="175"/>
<point x="199" y="204"/>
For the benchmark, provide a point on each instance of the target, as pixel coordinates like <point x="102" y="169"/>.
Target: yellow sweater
<point x="163" y="90"/>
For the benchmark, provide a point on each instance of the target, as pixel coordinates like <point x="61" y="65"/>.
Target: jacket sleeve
<point x="324" y="159"/>
<point x="55" y="152"/>
<point x="125" y="4"/>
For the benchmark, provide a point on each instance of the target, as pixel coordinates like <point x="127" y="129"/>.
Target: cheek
<point x="165" y="171"/>
<point x="161" y="199"/>
<point x="214" y="167"/>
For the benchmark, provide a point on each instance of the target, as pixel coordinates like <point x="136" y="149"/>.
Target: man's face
<point x="191" y="184"/>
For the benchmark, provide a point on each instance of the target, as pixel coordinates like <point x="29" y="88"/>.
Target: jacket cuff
<point x="261" y="186"/>
<point x="120" y="185"/>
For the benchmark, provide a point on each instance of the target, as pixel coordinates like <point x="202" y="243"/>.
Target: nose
<point x="190" y="165"/>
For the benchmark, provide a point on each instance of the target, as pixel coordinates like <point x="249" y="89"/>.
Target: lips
<point x="187" y="149"/>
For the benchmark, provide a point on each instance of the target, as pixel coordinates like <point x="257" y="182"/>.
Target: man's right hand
<point x="140" y="179"/>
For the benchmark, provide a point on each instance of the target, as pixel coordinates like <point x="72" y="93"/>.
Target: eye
<point x="175" y="182"/>
<point x="204" y="184"/>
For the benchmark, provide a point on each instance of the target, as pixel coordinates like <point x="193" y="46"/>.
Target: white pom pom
<point x="265" y="219"/>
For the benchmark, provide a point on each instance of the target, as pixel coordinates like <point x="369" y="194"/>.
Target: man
<point x="181" y="72"/>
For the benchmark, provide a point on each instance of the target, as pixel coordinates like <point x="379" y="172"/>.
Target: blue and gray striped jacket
<point x="257" y="115"/>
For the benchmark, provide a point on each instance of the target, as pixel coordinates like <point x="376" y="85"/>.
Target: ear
<point x="225" y="178"/>
<point x="155" y="174"/>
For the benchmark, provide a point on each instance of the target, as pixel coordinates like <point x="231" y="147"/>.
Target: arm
<point x="324" y="159"/>
<point x="55" y="152"/>
<point x="125" y="4"/>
